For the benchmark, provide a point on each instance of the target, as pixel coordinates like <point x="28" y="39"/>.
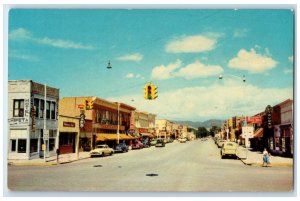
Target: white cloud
<point x="131" y="57"/>
<point x="191" y="44"/>
<point x="226" y="99"/>
<point x="22" y="56"/>
<point x="19" y="34"/>
<point x="252" y="61"/>
<point x="62" y="43"/>
<point x="288" y="71"/>
<point x="291" y="59"/>
<point x="240" y="33"/>
<point x="23" y="34"/>
<point x="131" y="75"/>
<point x="198" y="69"/>
<point x="165" y="72"/>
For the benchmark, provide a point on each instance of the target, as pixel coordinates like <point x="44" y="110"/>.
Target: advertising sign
<point x="247" y="132"/>
<point x="256" y="120"/>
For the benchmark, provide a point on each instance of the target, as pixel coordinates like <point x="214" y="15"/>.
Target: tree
<point x="202" y="132"/>
<point x="214" y="129"/>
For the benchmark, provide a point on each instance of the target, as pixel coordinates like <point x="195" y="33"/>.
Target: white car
<point x="101" y="150"/>
<point x="182" y="140"/>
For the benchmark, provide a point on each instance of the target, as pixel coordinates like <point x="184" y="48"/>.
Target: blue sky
<point x="183" y="52"/>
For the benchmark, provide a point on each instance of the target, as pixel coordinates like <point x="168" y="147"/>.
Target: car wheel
<point x="111" y="153"/>
<point x="222" y="157"/>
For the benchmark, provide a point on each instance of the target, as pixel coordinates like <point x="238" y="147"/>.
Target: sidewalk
<point x="52" y="160"/>
<point x="249" y="157"/>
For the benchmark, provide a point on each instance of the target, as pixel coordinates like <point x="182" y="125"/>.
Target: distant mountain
<point x="206" y="124"/>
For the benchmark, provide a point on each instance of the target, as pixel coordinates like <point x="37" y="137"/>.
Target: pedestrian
<point x="266" y="158"/>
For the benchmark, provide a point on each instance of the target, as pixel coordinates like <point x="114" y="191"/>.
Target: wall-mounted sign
<point x="269" y="116"/>
<point x="82" y="120"/>
<point x="68" y="124"/>
<point x="256" y="120"/>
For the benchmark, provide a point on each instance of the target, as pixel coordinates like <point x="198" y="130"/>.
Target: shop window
<point x="51" y="144"/>
<point x="13" y="145"/>
<point x="18" y="108"/>
<point x="33" y="145"/>
<point x="48" y="109"/>
<point x="22" y="146"/>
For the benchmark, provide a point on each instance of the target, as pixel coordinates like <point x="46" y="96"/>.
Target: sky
<point x="182" y="51"/>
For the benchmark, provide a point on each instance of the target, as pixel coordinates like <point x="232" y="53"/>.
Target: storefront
<point x="68" y="134"/>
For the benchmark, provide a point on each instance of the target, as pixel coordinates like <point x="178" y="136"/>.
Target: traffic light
<point x="154" y="92"/>
<point x="149" y="90"/>
<point x="89" y="104"/>
<point x="146" y="91"/>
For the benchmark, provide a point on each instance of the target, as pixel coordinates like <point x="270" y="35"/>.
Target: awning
<point x="258" y="133"/>
<point x="112" y="136"/>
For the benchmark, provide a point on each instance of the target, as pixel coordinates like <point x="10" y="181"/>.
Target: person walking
<point x="266" y="158"/>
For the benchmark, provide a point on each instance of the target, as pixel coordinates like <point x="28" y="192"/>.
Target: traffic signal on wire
<point x="154" y="92"/>
<point x="89" y="104"/>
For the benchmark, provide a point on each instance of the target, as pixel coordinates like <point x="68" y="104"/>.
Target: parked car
<point x="182" y="140"/>
<point x="229" y="149"/>
<point x="160" y="142"/>
<point x="101" y="150"/>
<point x="137" y="145"/>
<point x="169" y="140"/>
<point x="220" y="143"/>
<point x="153" y="142"/>
<point x="146" y="143"/>
<point x="122" y="147"/>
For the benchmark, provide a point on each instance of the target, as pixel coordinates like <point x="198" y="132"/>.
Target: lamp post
<point x="118" y="128"/>
<point x="243" y="78"/>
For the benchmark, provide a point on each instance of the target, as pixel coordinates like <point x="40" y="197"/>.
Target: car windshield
<point x="101" y="146"/>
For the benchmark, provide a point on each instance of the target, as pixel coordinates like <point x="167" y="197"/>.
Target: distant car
<point x="101" y="150"/>
<point x="229" y="149"/>
<point x="220" y="143"/>
<point x="153" y="142"/>
<point x="169" y="140"/>
<point x="146" y="143"/>
<point x="122" y="147"/>
<point x="137" y="145"/>
<point x="160" y="142"/>
<point x="182" y="140"/>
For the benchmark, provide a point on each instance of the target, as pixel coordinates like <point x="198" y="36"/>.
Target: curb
<point x="272" y="164"/>
<point x="47" y="163"/>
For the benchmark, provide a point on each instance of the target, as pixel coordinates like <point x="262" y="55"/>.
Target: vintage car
<point x="160" y="142"/>
<point x="101" y="150"/>
<point x="153" y="142"/>
<point x="229" y="149"/>
<point x="122" y="147"/>
<point x="137" y="144"/>
<point x="182" y="140"/>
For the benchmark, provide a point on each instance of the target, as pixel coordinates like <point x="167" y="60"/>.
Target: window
<point x="42" y="109"/>
<point x="13" y="145"/>
<point x="37" y="107"/>
<point x="52" y="110"/>
<point x="22" y="146"/>
<point x="48" y="109"/>
<point x="18" y="108"/>
<point x="51" y="144"/>
<point x="33" y="145"/>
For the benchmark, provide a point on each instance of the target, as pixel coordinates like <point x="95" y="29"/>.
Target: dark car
<point x="137" y="145"/>
<point x="122" y="147"/>
<point x="146" y="143"/>
<point x="160" y="143"/>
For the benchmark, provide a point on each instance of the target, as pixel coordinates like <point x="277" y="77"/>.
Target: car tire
<point x="222" y="156"/>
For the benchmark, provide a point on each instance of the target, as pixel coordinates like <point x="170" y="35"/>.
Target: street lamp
<point x="118" y="129"/>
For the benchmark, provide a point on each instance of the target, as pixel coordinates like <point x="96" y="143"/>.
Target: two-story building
<point x="32" y="119"/>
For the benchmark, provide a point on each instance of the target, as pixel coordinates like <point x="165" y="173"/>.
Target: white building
<point x="26" y="113"/>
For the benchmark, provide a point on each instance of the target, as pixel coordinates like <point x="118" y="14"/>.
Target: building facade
<point x="101" y="121"/>
<point x="32" y="119"/>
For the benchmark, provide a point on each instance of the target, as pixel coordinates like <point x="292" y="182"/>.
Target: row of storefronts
<point x="271" y="129"/>
<point x="40" y="122"/>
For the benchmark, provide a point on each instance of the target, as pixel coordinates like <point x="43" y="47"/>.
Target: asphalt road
<point x="194" y="166"/>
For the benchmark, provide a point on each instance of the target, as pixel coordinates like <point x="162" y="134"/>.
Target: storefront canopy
<point x="259" y="133"/>
<point x="109" y="136"/>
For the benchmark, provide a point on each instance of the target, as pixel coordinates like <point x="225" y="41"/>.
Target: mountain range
<point x="206" y="124"/>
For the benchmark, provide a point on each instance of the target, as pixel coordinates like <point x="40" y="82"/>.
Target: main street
<point x="195" y="166"/>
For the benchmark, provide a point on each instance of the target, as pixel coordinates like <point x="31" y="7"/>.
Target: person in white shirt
<point x="266" y="158"/>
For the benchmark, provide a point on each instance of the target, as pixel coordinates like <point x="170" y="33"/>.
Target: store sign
<point x="247" y="132"/>
<point x="82" y="120"/>
<point x="256" y="120"/>
<point x="68" y="124"/>
<point x="131" y="121"/>
<point x="33" y="119"/>
<point x="143" y="130"/>
<point x="269" y="116"/>
<point x="46" y="134"/>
